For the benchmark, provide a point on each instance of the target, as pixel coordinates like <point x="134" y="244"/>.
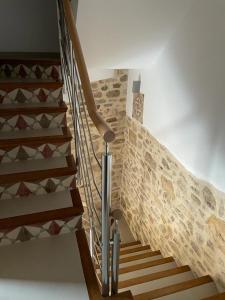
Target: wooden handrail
<point x="98" y="121"/>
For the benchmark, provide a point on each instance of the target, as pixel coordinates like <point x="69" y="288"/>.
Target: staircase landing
<point x="48" y="268"/>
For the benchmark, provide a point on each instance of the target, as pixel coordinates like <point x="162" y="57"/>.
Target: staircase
<point x="40" y="205"/>
<point x="149" y="275"/>
<point x="44" y="253"/>
<point x="38" y="194"/>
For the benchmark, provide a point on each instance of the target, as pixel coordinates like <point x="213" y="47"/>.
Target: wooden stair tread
<point x="43" y="58"/>
<point x="120" y="296"/>
<point x="125" y="245"/>
<point x="146" y="265"/>
<point x="153" y="276"/>
<point x="34" y="137"/>
<point x="32" y="108"/>
<point x="216" y="297"/>
<point x="131" y="251"/>
<point x="8" y="85"/>
<point x="76" y="209"/>
<point x="59" y="166"/>
<point x="25" y="205"/>
<point x="174" y="288"/>
<point x="139" y="256"/>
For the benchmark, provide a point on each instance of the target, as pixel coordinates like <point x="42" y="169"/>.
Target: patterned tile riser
<point x="26" y="122"/>
<point x="22" y="96"/>
<point x="23" y="71"/>
<point x="40" y="152"/>
<point x="23" y="189"/>
<point x="37" y="231"/>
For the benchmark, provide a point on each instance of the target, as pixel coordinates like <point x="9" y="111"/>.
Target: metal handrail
<point x="83" y="111"/>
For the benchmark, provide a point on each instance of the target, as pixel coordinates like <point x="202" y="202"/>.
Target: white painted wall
<point x="28" y="26"/>
<point x="178" y="47"/>
<point x="100" y="74"/>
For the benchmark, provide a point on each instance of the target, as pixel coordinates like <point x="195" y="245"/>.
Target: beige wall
<point x="170" y="209"/>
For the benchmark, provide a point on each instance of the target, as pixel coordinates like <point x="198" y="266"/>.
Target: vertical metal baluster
<point x="106" y="204"/>
<point x="115" y="258"/>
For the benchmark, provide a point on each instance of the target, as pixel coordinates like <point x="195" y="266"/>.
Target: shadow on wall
<point x="28" y="26"/>
<point x="185" y="92"/>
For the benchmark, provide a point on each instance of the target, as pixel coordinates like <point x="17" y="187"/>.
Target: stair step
<point x="25" y="169"/>
<point x="192" y="289"/>
<point x="216" y="297"/>
<point x="145" y="264"/>
<point x="42" y="91"/>
<point x="36" y="176"/>
<point x="130" y="245"/>
<point x="145" y="250"/>
<point x="139" y="256"/>
<point x="47" y="268"/>
<point x="136" y="280"/>
<point x="30" y="116"/>
<point x="32" y="108"/>
<point x="34" y="58"/>
<point x="132" y="252"/>
<point x="37" y="203"/>
<point x="157" y="280"/>
<point x="124" y="251"/>
<point x="8" y="85"/>
<point x="148" y="268"/>
<point x="37" y="136"/>
<point x="39" y="216"/>
<point x="34" y="144"/>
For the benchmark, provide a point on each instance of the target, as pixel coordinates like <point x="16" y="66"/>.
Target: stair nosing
<point x="124" y="245"/>
<point x="140" y="256"/>
<point x="40" y="174"/>
<point x="11" y="111"/>
<point x="10" y="85"/>
<point x="132" y="250"/>
<point x="146" y="265"/>
<point x="219" y="296"/>
<point x="13" y="58"/>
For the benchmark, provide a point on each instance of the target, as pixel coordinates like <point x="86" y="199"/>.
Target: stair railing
<point x="84" y="115"/>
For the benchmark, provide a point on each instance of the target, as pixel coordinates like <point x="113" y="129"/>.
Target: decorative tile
<point x="38" y="187"/>
<point x="23" y="71"/>
<point x="19" y="95"/>
<point x="22" y="122"/>
<point x="37" y="152"/>
<point x="36" y="231"/>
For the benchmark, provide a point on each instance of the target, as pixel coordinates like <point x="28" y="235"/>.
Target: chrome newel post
<point x="115" y="258"/>
<point x="106" y="203"/>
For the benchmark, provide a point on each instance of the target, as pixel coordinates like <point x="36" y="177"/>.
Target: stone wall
<point x="169" y="208"/>
<point x="110" y="99"/>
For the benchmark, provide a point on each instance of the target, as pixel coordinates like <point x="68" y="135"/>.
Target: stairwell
<point x="44" y="253"/>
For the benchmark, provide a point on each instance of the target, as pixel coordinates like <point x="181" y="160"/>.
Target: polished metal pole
<point x="115" y="258"/>
<point x="91" y="238"/>
<point x="106" y="203"/>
